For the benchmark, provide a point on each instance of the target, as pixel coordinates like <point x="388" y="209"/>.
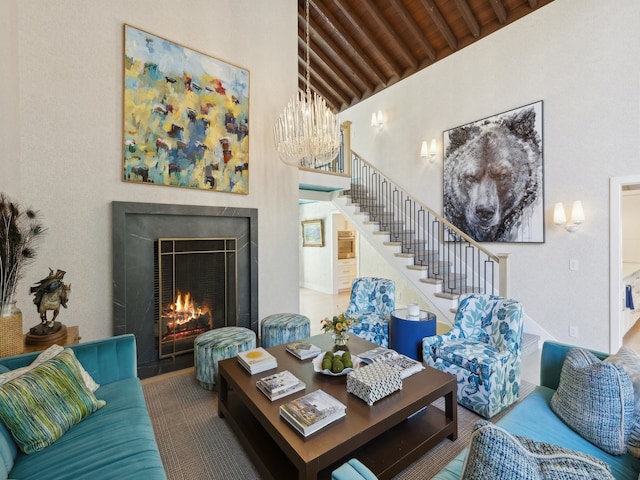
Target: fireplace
<point x="178" y="271"/>
<point x="196" y="288"/>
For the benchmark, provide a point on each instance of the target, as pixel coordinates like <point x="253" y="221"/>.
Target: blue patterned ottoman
<point x="215" y="345"/>
<point x="281" y="328"/>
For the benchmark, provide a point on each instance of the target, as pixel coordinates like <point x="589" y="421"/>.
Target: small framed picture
<point x="312" y="233"/>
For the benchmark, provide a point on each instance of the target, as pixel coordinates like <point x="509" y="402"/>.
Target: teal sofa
<point x="116" y="441"/>
<point x="532" y="417"/>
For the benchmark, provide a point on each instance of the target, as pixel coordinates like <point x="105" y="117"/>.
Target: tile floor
<point x="318" y="305"/>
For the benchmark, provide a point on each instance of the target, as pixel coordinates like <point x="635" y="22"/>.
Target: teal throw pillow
<point x="41" y="405"/>
<point x="496" y="454"/>
<point x="595" y="399"/>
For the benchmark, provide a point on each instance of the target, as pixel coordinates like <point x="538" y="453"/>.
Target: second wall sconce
<point x="429" y="152"/>
<point x="577" y="216"/>
<point x="377" y="119"/>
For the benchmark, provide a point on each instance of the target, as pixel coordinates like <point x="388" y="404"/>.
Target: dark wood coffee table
<point x="386" y="437"/>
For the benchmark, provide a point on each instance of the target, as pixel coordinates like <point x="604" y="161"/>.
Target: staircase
<point x="440" y="261"/>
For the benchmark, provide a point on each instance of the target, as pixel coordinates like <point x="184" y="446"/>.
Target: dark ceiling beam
<point x="321" y="44"/>
<point x="330" y="68"/>
<point x="440" y="22"/>
<point x="415" y="28"/>
<point x="501" y="13"/>
<point x="533" y="3"/>
<point x="469" y="18"/>
<point x="350" y="41"/>
<point x="355" y="24"/>
<point x="402" y="48"/>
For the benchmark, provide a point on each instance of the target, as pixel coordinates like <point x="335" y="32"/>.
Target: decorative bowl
<point x="317" y="364"/>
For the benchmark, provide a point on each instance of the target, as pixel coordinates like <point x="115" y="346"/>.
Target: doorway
<point x="617" y="186"/>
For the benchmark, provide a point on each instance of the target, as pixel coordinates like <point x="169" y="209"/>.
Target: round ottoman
<point x="282" y="328"/>
<point x="215" y="345"/>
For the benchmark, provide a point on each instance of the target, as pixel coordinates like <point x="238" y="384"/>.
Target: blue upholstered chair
<point x="483" y="350"/>
<point x="371" y="303"/>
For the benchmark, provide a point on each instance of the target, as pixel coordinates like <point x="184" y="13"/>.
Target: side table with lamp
<point x="407" y="328"/>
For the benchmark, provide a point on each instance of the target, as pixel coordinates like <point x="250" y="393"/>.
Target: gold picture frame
<point x="312" y="233"/>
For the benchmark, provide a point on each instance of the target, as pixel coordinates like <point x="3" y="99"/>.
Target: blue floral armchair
<point x="483" y="350"/>
<point x="371" y="303"/>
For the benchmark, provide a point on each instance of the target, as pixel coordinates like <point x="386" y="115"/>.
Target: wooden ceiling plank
<point x="390" y="32"/>
<point x="501" y="13"/>
<point x="334" y="100"/>
<point x="341" y="72"/>
<point x="467" y="15"/>
<point x="352" y="18"/>
<point x="533" y="3"/>
<point x="349" y="40"/>
<point x="415" y="29"/>
<point x="440" y="22"/>
<point x="325" y="45"/>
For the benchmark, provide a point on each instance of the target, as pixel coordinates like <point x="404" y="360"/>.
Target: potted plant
<point x="19" y="231"/>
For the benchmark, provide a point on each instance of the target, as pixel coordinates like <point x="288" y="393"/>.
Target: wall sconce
<point x="429" y="152"/>
<point x="376" y="119"/>
<point x="577" y="216"/>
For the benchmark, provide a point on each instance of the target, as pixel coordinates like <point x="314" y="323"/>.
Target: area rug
<point x="195" y="444"/>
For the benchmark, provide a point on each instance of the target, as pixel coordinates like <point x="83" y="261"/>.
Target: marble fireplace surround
<point x="137" y="226"/>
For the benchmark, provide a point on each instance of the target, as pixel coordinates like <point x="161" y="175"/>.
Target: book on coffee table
<point x="257" y="360"/>
<point x="303" y="350"/>
<point x="312" y="412"/>
<point x="406" y="366"/>
<point x="280" y="385"/>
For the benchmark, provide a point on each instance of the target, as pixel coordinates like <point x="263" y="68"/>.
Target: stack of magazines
<point x="312" y="411"/>
<point x="303" y="350"/>
<point x="406" y="366"/>
<point x="257" y="360"/>
<point x="280" y="385"/>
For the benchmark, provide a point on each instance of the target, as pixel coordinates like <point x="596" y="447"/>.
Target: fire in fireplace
<point x="205" y="270"/>
<point x="183" y="319"/>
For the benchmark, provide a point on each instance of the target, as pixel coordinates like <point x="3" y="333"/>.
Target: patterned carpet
<point x="195" y="444"/>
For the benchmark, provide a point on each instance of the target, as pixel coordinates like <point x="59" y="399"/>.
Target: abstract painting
<point x="186" y="117"/>
<point x="493" y="181"/>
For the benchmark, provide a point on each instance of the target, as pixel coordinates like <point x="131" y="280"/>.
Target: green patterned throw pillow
<point x="41" y="405"/>
<point x="496" y="454"/>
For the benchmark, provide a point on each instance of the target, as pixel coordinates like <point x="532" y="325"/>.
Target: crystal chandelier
<point x="307" y="133"/>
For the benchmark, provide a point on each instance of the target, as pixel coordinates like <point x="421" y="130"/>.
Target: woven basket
<point x="11" y="337"/>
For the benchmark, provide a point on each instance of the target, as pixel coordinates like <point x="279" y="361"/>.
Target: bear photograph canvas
<point x="493" y="177"/>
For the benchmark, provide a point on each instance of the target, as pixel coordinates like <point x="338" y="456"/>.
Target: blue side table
<point x="406" y="332"/>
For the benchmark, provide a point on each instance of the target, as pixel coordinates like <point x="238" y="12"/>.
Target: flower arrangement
<point x="338" y="324"/>
<point x="19" y="231"/>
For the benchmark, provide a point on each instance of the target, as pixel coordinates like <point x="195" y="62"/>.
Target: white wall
<point x="64" y="106"/>
<point x="567" y="55"/>
<point x="10" y="116"/>
<point x="316" y="263"/>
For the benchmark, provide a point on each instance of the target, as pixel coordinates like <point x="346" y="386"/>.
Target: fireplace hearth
<point x="166" y="298"/>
